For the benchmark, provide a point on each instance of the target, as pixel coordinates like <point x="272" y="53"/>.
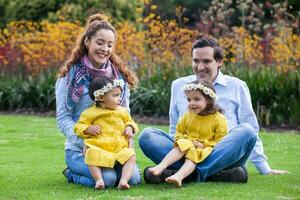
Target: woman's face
<point x="100" y="47"/>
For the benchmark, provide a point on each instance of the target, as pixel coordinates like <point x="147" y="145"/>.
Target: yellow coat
<point x="208" y="130"/>
<point x="110" y="145"/>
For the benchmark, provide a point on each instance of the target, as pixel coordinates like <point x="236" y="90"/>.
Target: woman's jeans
<point x="232" y="151"/>
<point x="80" y="174"/>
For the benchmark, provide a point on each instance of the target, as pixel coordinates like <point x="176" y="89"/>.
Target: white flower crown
<point x="205" y="89"/>
<point x="100" y="92"/>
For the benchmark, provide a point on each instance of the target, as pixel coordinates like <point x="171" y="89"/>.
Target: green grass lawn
<point x="32" y="158"/>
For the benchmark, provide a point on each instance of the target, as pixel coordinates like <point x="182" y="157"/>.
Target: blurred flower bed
<point x="266" y="56"/>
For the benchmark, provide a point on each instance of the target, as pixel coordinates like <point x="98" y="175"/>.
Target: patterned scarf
<point x="82" y="73"/>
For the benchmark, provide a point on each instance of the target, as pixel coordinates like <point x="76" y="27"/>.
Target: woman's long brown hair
<point x="95" y="23"/>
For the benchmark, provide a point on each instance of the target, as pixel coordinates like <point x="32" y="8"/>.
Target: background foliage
<point x="70" y="10"/>
<point x="31" y="93"/>
<point x="260" y="39"/>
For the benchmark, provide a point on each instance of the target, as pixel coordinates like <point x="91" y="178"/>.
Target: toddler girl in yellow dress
<point x="107" y="129"/>
<point x="197" y="131"/>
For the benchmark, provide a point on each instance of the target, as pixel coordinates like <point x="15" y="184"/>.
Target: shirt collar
<point x="220" y="79"/>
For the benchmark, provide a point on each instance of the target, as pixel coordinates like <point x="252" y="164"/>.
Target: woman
<point x="92" y="56"/>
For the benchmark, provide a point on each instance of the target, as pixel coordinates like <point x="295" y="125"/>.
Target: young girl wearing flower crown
<point x="197" y="132"/>
<point x="110" y="146"/>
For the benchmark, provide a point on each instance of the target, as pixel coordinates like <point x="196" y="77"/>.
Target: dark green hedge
<point x="28" y="93"/>
<point x="275" y="96"/>
<point x="75" y="10"/>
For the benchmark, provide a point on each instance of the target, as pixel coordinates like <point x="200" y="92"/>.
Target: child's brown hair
<point x="212" y="106"/>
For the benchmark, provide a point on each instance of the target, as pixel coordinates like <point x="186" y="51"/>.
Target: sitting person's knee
<point x="145" y="134"/>
<point x="133" y="158"/>
<point x="248" y="131"/>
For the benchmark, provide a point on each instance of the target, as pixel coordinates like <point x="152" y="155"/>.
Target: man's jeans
<point x="80" y="174"/>
<point x="232" y="151"/>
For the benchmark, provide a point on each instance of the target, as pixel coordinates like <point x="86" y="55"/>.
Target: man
<point x="226" y="162"/>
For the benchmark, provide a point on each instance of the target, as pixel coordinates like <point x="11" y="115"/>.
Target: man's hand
<point x="93" y="130"/>
<point x="277" y="172"/>
<point x="198" y="144"/>
<point x="128" y="132"/>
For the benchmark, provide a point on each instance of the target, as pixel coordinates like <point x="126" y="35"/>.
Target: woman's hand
<point x="92" y="130"/>
<point x="198" y="144"/>
<point x="128" y="132"/>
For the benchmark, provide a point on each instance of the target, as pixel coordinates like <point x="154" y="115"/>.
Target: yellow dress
<point x="110" y="145"/>
<point x="208" y="130"/>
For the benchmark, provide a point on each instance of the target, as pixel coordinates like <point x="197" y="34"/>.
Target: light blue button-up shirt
<point x="234" y="98"/>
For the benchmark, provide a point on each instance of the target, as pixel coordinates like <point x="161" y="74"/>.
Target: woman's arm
<point x="64" y="118"/>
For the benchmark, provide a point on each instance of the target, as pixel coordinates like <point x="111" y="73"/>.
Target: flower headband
<point x="192" y="86"/>
<point x="108" y="87"/>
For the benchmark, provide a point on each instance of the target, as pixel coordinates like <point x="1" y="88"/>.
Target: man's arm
<point x="246" y="115"/>
<point x="173" y="112"/>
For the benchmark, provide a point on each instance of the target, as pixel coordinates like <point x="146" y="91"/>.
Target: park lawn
<point x="32" y="158"/>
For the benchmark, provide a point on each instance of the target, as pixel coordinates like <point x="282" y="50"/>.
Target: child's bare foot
<point x="123" y="185"/>
<point x="174" y="179"/>
<point x="99" y="185"/>
<point x="157" y="170"/>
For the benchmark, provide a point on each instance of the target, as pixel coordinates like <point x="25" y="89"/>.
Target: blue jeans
<point x="232" y="151"/>
<point x="80" y="174"/>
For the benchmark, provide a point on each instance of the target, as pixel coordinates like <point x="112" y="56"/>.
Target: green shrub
<point x="275" y="96"/>
<point x="152" y="96"/>
<point x="76" y="10"/>
<point x="34" y="93"/>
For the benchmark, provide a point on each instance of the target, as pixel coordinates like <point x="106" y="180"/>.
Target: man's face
<point x="205" y="67"/>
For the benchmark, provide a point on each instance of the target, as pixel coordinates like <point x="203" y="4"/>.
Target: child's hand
<point x="93" y="130"/>
<point x="84" y="149"/>
<point x="198" y="144"/>
<point x="128" y="132"/>
<point x="130" y="143"/>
